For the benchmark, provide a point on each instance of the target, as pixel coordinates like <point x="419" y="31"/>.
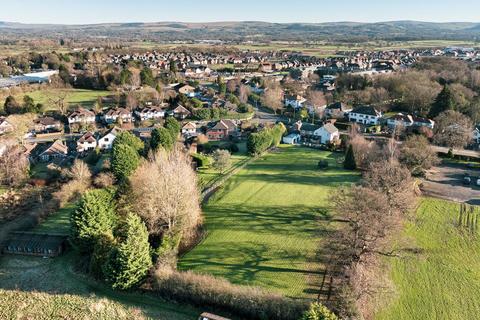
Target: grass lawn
<point x="58" y="222"/>
<point x="443" y="280"/>
<point x="36" y="288"/>
<point x="83" y="97"/>
<point x="207" y="174"/>
<point x="265" y="226"/>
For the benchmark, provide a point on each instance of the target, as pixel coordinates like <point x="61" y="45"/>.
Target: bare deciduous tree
<point x="165" y="195"/>
<point x="418" y="155"/>
<point x="273" y="97"/>
<point x="13" y="166"/>
<point x="452" y="129"/>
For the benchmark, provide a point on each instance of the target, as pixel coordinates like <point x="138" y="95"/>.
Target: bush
<point x="244" y="108"/>
<point x="208" y="291"/>
<point x="173" y="126"/>
<point x="318" y="311"/>
<point x="129" y="139"/>
<point x="259" y="142"/>
<point x="201" y="160"/>
<point x="202" y="114"/>
<point x="322" y="164"/>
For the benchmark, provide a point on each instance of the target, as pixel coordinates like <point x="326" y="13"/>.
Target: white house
<point x="106" y="142"/>
<point x="295" y="101"/>
<point x="189" y="129"/>
<point x="327" y="133"/>
<point x="150" y="112"/>
<point x="292" y="138"/>
<point x="366" y="115"/>
<point x="112" y="115"/>
<point x="81" y="115"/>
<point x="400" y="120"/>
<point x="423" y="122"/>
<point x="86" y="142"/>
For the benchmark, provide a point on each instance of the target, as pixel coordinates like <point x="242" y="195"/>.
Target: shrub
<point x="201" y="160"/>
<point x="104" y="180"/>
<point x="202" y="114"/>
<point x="322" y="164"/>
<point x="208" y="291"/>
<point x="130" y="260"/>
<point x="318" y="311"/>
<point x="259" y="142"/>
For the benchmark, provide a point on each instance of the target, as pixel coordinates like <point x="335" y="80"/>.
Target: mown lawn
<point x="85" y="98"/>
<point x="443" y="280"/>
<point x="58" y="222"/>
<point x="265" y="226"/>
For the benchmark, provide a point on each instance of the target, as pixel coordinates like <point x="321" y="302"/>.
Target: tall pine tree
<point x="443" y="102"/>
<point x="129" y="262"/>
<point x="94" y="217"/>
<point x="124" y="160"/>
<point x="349" y="163"/>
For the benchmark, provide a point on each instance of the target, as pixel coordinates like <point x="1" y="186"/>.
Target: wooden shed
<point x="35" y="244"/>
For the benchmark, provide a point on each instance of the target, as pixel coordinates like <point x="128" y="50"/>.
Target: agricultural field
<point x="266" y="224"/>
<point x="442" y="279"/>
<point x="85" y="98"/>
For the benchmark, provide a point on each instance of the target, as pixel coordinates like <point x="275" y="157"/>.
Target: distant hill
<point x="251" y="30"/>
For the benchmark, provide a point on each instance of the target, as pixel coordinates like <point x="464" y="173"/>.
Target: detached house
<point x="56" y="150"/>
<point x="81" y="115"/>
<point x="337" y="110"/>
<point x="47" y="124"/>
<point x="113" y="115"/>
<point x="86" y="142"/>
<point x="423" y="122"/>
<point x="327" y="134"/>
<point x="150" y="112"/>
<point x="366" y="115"/>
<point x="189" y="129"/>
<point x="186" y="89"/>
<point x="222" y="130"/>
<point x="5" y="126"/>
<point x="400" y="120"/>
<point x="180" y="112"/>
<point x="106" y="142"/>
<point x="296" y="101"/>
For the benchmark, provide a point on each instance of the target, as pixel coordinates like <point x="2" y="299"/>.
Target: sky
<point x="100" y="11"/>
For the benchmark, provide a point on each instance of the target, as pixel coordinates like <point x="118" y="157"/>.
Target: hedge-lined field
<point x="442" y="280"/>
<point x="265" y="226"/>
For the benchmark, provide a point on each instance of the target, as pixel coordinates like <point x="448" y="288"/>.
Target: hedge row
<point x="259" y="142"/>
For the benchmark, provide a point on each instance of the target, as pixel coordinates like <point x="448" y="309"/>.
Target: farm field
<point x="266" y="224"/>
<point x="442" y="281"/>
<point x="85" y="98"/>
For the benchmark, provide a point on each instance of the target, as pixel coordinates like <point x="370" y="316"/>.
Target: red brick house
<point x="222" y="130"/>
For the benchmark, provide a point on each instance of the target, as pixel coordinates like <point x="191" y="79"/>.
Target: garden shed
<point x="35" y="244"/>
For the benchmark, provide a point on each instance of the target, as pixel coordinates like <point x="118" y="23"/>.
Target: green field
<point x="266" y="225"/>
<point x="85" y="98"/>
<point x="442" y="281"/>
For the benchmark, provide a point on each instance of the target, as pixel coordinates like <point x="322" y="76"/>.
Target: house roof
<point x="224" y="125"/>
<point x="367" y="110"/>
<point x="47" y="121"/>
<point x="338" y="106"/>
<point x="82" y="112"/>
<point x="113" y="131"/>
<point x="309" y="127"/>
<point x="117" y="112"/>
<point x="181" y="109"/>
<point x="87" y="137"/>
<point x="148" y="109"/>
<point x="189" y="125"/>
<point x="330" y="128"/>
<point x="56" y="147"/>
